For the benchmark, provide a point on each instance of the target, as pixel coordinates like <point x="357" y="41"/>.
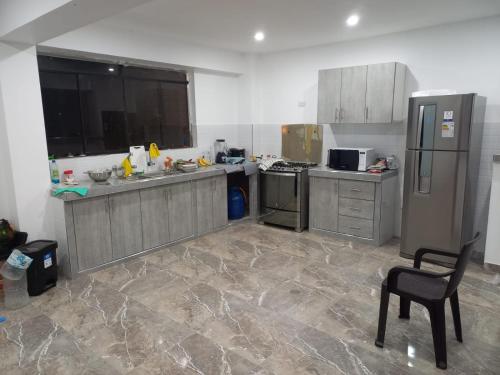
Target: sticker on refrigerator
<point x="448" y="115"/>
<point x="448" y="129"/>
<point x="47" y="260"/>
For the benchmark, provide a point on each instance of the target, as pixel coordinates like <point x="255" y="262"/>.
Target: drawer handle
<point x="357" y="228"/>
<point x="356" y="190"/>
<point x="354" y="209"/>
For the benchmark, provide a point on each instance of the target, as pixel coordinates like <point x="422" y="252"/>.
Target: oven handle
<point x="279" y="174"/>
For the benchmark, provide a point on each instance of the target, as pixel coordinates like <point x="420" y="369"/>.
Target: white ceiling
<point x="230" y="24"/>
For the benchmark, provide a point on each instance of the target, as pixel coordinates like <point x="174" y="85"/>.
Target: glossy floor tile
<point x="250" y="299"/>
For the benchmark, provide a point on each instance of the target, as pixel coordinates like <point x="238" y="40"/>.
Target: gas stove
<point x="291" y="166"/>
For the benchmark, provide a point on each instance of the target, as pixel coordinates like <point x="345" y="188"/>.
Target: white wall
<point x="217" y="87"/>
<point x="462" y="56"/>
<point x="24" y="132"/>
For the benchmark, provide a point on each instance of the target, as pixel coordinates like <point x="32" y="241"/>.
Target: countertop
<point x="114" y="185"/>
<point x="323" y="171"/>
<point x="496" y="158"/>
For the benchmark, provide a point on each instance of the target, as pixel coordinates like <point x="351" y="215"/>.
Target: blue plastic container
<point x="235" y="204"/>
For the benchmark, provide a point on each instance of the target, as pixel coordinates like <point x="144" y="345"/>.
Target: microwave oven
<point x="351" y="159"/>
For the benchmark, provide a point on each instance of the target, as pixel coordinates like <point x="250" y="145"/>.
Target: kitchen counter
<point x="114" y="185"/>
<point x="323" y="171"/>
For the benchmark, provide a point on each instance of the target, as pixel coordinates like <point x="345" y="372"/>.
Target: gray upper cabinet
<point x="126" y="223"/>
<point x="365" y="94"/>
<point x="154" y="209"/>
<point x="92" y="228"/>
<point x="379" y="92"/>
<point x="353" y="95"/>
<point x="329" y="84"/>
<point x="384" y="93"/>
<point x="180" y="211"/>
<point x="220" y="201"/>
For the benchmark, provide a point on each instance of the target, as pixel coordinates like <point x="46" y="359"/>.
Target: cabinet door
<point x="220" y="201"/>
<point x="92" y="232"/>
<point x="324" y="203"/>
<point x="126" y="223"/>
<point x="180" y="211"/>
<point x="329" y="83"/>
<point x="154" y="212"/>
<point x="204" y="206"/>
<point x="353" y="95"/>
<point x="380" y="92"/>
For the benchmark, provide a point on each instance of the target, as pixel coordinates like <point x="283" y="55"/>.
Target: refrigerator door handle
<point x="419" y="126"/>
<point x="422" y="182"/>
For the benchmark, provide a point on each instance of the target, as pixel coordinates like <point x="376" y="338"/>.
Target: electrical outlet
<point x="301" y="103"/>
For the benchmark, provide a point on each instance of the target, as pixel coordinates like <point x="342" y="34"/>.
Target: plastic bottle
<point x="54" y="171"/>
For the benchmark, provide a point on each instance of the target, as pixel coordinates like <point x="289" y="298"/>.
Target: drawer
<point x="357" y="189"/>
<point x="356" y="226"/>
<point x="356" y="208"/>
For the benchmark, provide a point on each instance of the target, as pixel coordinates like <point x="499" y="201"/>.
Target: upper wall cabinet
<point x="368" y="94"/>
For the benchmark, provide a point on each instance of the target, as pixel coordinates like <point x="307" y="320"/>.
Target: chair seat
<point x="421" y="286"/>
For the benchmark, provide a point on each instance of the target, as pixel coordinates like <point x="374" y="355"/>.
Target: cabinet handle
<point x="366" y="113"/>
<point x="356" y="228"/>
<point x="356" y="190"/>
<point x="341" y="114"/>
<point x="336" y="114"/>
<point x="354" y="209"/>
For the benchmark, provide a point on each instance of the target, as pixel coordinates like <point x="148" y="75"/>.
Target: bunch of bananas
<point x="202" y="162"/>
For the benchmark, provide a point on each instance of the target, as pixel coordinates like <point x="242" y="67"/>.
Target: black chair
<point x="429" y="289"/>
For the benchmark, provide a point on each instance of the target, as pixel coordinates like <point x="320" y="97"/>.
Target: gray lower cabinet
<point x="126" y="223"/>
<point x="154" y="212"/>
<point x="324" y="207"/>
<point x="211" y="204"/>
<point x="353" y="209"/>
<point x="92" y="232"/>
<point x="220" y="201"/>
<point x="204" y="206"/>
<point x="180" y="211"/>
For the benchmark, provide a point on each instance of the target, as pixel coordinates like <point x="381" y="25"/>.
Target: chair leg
<point x="404" y="308"/>
<point x="455" y="309"/>
<point x="382" y="317"/>
<point x="436" y="312"/>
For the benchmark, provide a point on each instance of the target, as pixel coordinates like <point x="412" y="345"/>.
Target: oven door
<point x="280" y="190"/>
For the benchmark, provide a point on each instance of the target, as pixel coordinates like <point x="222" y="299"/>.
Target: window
<point x="96" y="108"/>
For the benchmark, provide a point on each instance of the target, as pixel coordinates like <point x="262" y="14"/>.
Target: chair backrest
<point x="460" y="265"/>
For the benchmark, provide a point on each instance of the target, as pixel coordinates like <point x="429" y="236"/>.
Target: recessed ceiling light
<point x="111" y="69"/>
<point x="352" y="20"/>
<point x="259" y="36"/>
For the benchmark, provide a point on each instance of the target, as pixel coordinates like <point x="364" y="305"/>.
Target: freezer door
<point x="433" y="200"/>
<point x="440" y="122"/>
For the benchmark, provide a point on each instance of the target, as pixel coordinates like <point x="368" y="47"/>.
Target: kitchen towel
<point x="80" y="190"/>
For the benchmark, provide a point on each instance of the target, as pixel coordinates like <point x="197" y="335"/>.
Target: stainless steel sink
<point x="147" y="176"/>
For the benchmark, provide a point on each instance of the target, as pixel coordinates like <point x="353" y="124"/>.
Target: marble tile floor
<point x="250" y="299"/>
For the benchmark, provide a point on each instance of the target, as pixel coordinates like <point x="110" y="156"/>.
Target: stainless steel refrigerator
<point x="441" y="171"/>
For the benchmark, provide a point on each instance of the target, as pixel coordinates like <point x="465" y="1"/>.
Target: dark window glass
<point x="97" y="108"/>
<point x="175" y="119"/>
<point x="103" y="111"/>
<point x="143" y="111"/>
<point x="61" y="109"/>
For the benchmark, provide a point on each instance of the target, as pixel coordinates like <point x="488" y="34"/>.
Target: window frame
<point x="153" y="68"/>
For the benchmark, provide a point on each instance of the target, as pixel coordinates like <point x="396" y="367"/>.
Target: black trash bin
<point x="42" y="273"/>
